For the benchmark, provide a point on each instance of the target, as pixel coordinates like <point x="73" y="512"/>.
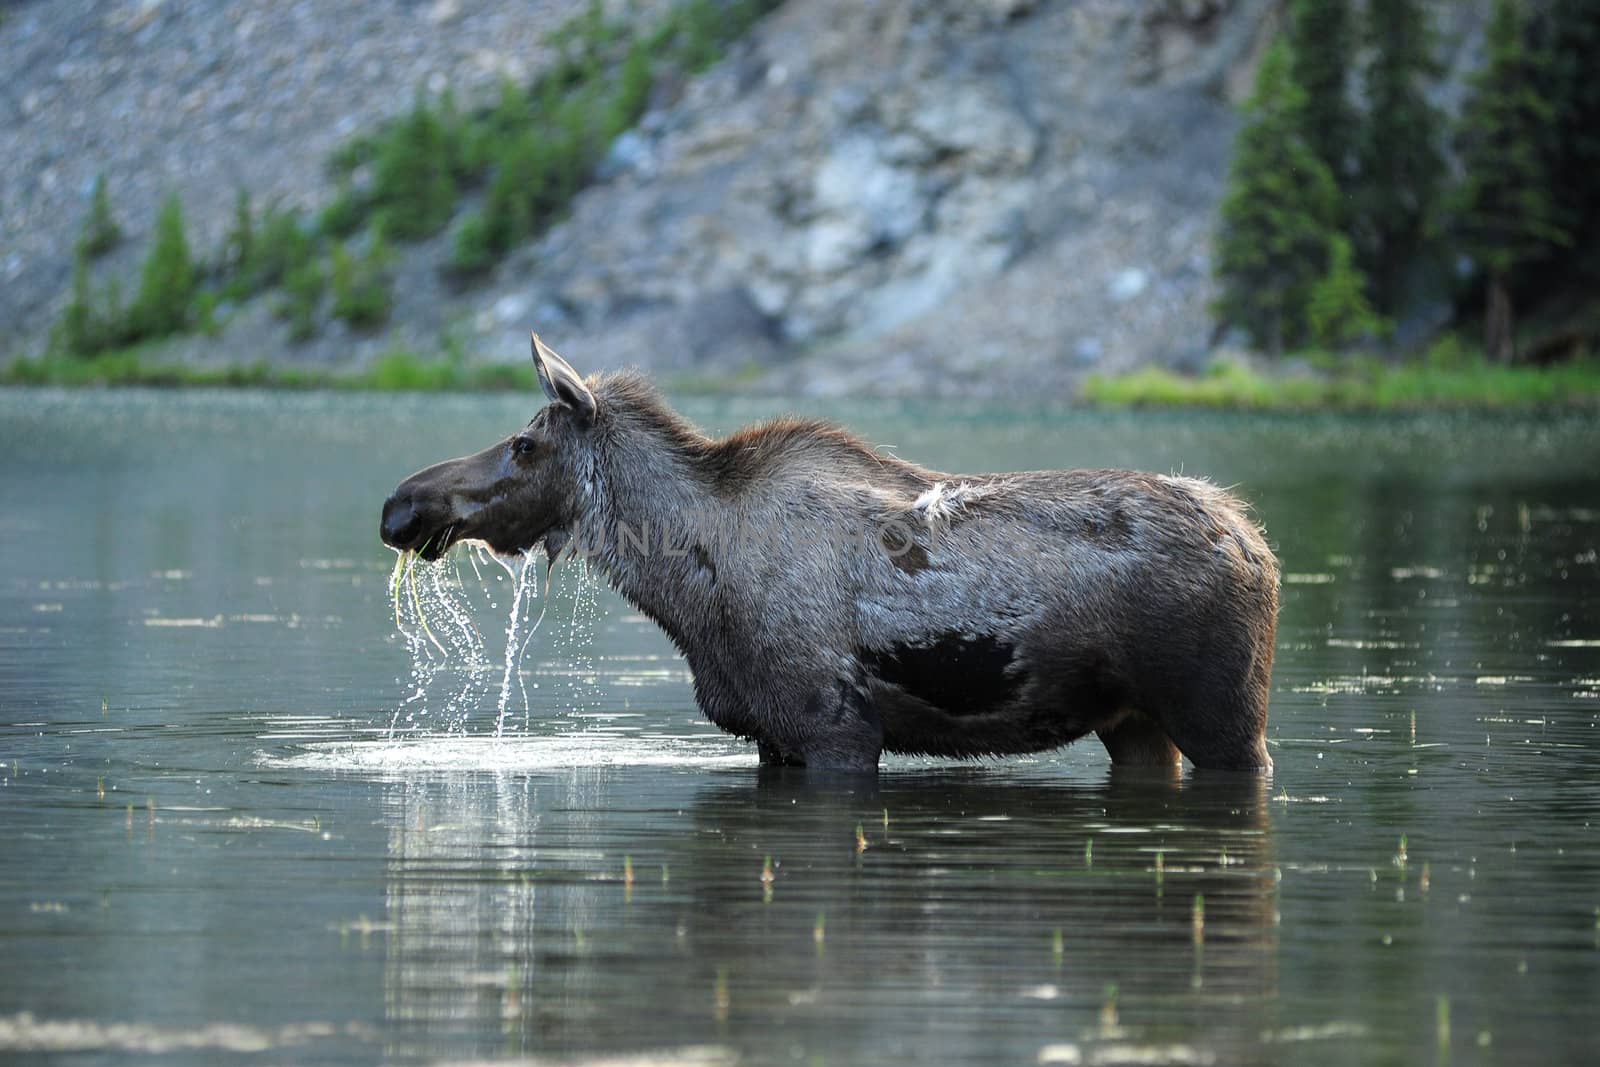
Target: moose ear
<point x="561" y="383"/>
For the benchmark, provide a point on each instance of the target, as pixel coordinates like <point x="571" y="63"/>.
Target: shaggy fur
<point x="834" y="602"/>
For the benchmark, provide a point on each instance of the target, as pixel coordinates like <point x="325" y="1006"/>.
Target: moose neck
<point x="652" y="521"/>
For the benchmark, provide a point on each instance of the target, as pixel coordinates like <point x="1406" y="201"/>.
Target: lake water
<point x="211" y="848"/>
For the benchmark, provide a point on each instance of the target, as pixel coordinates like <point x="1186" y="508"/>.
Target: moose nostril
<point x="400" y="523"/>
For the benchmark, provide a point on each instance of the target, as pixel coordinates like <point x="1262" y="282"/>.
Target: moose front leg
<point x="773" y="756"/>
<point x="838" y="728"/>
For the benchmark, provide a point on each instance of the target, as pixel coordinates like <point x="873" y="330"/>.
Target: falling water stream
<point x="437" y="607"/>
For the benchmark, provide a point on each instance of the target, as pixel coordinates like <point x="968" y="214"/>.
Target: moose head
<point x="515" y="493"/>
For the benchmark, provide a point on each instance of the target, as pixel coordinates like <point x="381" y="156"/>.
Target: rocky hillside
<point x="907" y="196"/>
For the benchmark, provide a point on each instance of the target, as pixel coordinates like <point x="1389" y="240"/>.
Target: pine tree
<point x="1321" y="44"/>
<point x="414" y="177"/>
<point x="303" y="288"/>
<point x="633" y="91"/>
<point x="361" y="294"/>
<point x="1402" y="167"/>
<point x="78" y="331"/>
<point x="167" y="283"/>
<point x="516" y="191"/>
<point x="1337" y="311"/>
<point x="1278" y="214"/>
<point x="1569" y="83"/>
<point x="239" y="246"/>
<point x="1504" y="210"/>
<point x="100" y="233"/>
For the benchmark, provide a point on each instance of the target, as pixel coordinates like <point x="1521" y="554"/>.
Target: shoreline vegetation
<point x="1446" y="379"/>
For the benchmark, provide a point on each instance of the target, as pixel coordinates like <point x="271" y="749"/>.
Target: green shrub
<point x="402" y="370"/>
<point x="361" y="292"/>
<point x="633" y="91"/>
<point x="474" y="251"/>
<point x="1445" y="353"/>
<point x="205" y="314"/>
<point x="167" y="283"/>
<point x="517" y="192"/>
<point x="79" y="330"/>
<point x="100" y="231"/>
<point x="303" y="287"/>
<point x="414" y="175"/>
<point x="343" y="215"/>
<point x="1337" y="311"/>
<point x="239" y="244"/>
<point x="699" y="36"/>
<point x="282" y="246"/>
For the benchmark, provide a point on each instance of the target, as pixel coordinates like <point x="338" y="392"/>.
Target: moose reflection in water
<point x="834" y="601"/>
<point x="1002" y="899"/>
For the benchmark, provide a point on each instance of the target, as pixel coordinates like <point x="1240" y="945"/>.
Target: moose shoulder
<point x="834" y="602"/>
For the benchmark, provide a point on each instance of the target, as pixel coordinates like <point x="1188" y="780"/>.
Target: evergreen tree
<point x="239" y="246"/>
<point x="167" y="284"/>
<point x="361" y="294"/>
<point x="1278" y="214"/>
<point x="1505" y="213"/>
<point x="1321" y="44"/>
<point x="515" y="193"/>
<point x="1572" y="88"/>
<point x="633" y="91"/>
<point x="474" y="250"/>
<point x="100" y="233"/>
<point x="1337" y="311"/>
<point x="78" y="331"/>
<point x="303" y="288"/>
<point x="414" y="177"/>
<point x="1402" y="167"/>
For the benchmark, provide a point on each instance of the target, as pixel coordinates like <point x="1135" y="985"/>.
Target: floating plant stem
<point x="411" y="574"/>
<point x="720" y="1001"/>
<point x="400" y="560"/>
<point x="1108" y="1010"/>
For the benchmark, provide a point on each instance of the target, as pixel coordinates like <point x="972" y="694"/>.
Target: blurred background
<point x="1003" y="198"/>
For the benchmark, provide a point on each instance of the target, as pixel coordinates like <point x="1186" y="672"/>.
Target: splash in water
<point x="434" y="612"/>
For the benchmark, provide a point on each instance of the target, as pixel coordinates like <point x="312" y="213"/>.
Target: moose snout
<point x="402" y="523"/>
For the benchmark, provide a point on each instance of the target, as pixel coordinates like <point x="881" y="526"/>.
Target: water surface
<point x="211" y="847"/>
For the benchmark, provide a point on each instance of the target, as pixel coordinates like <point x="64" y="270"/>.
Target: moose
<point x="834" y="602"/>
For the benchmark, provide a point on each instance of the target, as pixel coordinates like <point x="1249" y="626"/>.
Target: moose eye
<point x="523" y="446"/>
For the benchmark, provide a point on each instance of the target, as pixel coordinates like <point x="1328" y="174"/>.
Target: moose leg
<point x="842" y="730"/>
<point x="1221" y="730"/>
<point x="773" y="756"/>
<point x="1136" y="740"/>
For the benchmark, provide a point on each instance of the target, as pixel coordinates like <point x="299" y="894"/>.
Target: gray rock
<point x="728" y="327"/>
<point x="630" y="153"/>
<point x="1127" y="284"/>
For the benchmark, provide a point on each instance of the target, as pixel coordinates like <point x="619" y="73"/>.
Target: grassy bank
<point x="1361" y="386"/>
<point x="397" y="371"/>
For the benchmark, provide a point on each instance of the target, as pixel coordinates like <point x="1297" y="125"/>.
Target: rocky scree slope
<point x="979" y="197"/>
